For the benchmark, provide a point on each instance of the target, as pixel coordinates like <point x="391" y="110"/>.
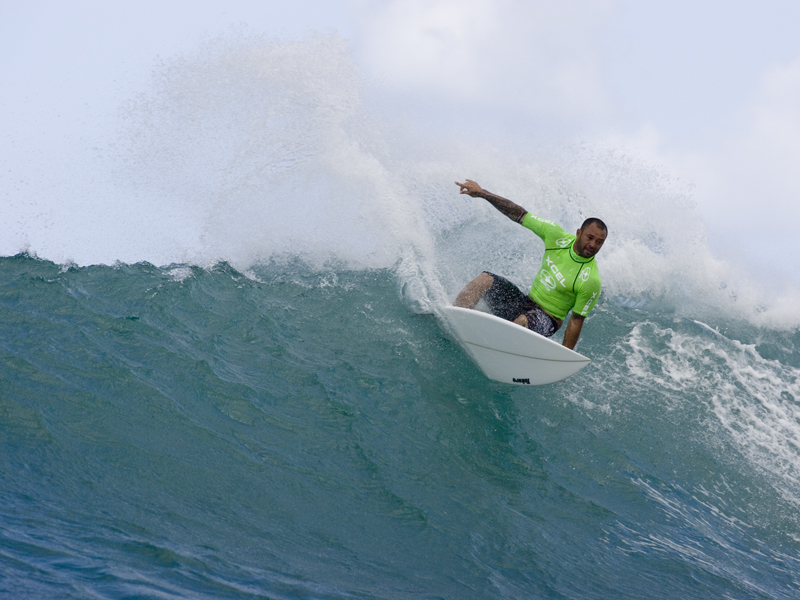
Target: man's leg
<point x="474" y="291"/>
<point x="536" y="319"/>
<point x="522" y="320"/>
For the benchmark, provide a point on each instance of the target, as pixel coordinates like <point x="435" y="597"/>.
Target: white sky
<point x="709" y="89"/>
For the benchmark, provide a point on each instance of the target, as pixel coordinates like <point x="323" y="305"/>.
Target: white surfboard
<point x="509" y="353"/>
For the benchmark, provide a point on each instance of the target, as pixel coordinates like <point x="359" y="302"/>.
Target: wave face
<point x="222" y="374"/>
<point x="189" y="432"/>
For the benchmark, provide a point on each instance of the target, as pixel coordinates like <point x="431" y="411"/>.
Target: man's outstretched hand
<point x="513" y="211"/>
<point x="470" y="187"/>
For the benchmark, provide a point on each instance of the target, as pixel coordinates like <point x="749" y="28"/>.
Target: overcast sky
<point x="710" y="90"/>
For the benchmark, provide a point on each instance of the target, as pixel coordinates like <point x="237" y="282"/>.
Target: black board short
<point x="508" y="302"/>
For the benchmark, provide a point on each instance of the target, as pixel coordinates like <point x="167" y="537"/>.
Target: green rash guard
<point x="565" y="281"/>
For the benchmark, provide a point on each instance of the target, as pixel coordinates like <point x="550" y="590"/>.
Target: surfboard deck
<point x="508" y="353"/>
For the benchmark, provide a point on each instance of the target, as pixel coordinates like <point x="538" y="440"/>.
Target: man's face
<point x="589" y="240"/>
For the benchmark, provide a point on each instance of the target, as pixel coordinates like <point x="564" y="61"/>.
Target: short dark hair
<point x="596" y="221"/>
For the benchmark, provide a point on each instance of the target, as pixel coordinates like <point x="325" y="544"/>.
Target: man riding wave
<point x="567" y="280"/>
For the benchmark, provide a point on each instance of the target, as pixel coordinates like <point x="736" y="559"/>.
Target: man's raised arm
<point x="513" y="211"/>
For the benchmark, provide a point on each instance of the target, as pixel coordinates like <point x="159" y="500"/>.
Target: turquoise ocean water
<point x="266" y="405"/>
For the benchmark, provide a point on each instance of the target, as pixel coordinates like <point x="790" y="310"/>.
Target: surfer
<point x="567" y="280"/>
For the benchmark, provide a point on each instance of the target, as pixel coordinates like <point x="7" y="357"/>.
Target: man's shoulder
<point x="543" y="227"/>
<point x="536" y="220"/>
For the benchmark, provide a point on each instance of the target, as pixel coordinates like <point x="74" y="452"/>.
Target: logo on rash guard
<point x="541" y="220"/>
<point x="563" y="242"/>
<point x="585" y="310"/>
<point x="585" y="274"/>
<point x="547" y="280"/>
<point x="556" y="273"/>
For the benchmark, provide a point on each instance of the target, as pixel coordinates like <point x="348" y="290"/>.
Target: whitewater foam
<point x="254" y="150"/>
<point x="754" y="400"/>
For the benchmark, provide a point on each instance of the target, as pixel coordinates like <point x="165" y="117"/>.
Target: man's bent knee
<point x="484" y="281"/>
<point x="474" y="291"/>
<point x="522" y="320"/>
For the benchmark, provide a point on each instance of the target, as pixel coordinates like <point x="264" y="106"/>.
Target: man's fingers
<point x="467" y="183"/>
<point x="469" y="187"/>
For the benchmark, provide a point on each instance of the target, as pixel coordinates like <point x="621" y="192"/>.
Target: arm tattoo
<point x="513" y="211"/>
